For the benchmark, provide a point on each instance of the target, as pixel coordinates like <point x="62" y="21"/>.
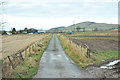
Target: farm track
<point x="55" y="63"/>
<point x="14" y="43"/>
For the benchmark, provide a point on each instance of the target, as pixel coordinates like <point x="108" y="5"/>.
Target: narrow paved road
<point x="55" y="64"/>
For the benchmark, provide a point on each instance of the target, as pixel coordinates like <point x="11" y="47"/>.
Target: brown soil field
<point x="98" y="44"/>
<point x="14" y="43"/>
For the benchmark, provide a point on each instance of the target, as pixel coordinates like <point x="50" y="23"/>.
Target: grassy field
<point x="100" y="57"/>
<point x="95" y="33"/>
<point x="103" y="46"/>
<point x="30" y="65"/>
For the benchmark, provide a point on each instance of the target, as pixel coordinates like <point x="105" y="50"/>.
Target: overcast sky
<point x="47" y="14"/>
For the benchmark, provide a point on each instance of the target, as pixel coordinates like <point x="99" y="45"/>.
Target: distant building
<point x="25" y="31"/>
<point x="3" y="32"/>
<point x="9" y="33"/>
<point x="32" y="30"/>
<point x="22" y="32"/>
<point x="36" y="32"/>
<point x="70" y="32"/>
<point x="30" y="33"/>
<point x="41" y="31"/>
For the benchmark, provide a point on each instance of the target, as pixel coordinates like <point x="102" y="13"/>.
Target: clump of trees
<point x="3" y="32"/>
<point x="96" y="29"/>
<point x="79" y="28"/>
<point x="14" y="31"/>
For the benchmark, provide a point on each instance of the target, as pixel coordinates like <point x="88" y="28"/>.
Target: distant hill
<point x="88" y="26"/>
<point x="57" y="28"/>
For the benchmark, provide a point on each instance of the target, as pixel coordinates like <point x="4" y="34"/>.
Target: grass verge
<point x="99" y="57"/>
<point x="30" y="65"/>
<point x="74" y="52"/>
<point x="79" y="57"/>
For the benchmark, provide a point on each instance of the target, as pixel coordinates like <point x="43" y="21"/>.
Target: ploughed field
<point x="97" y="44"/>
<point x="96" y="41"/>
<point x="14" y="43"/>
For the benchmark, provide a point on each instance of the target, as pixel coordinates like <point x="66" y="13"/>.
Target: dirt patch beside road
<point x="13" y="43"/>
<point x="102" y="73"/>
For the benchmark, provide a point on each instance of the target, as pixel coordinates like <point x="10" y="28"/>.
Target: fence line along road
<point x="12" y="61"/>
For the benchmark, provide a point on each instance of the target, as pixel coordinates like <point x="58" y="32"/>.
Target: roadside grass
<point x="102" y="56"/>
<point x="1" y="62"/>
<point x="80" y="57"/>
<point x="30" y="65"/>
<point x="98" y="57"/>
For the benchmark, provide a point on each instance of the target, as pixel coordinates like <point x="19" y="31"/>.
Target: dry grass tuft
<point x="75" y="52"/>
<point x="36" y="60"/>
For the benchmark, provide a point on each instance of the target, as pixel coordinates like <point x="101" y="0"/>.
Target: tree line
<point x="24" y="31"/>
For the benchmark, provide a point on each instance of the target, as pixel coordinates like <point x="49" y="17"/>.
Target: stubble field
<point x="14" y="43"/>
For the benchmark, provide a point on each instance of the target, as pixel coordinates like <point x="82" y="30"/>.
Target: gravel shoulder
<point x="110" y="72"/>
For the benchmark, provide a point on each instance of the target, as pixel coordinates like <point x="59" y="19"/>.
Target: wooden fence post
<point x="37" y="46"/>
<point x="11" y="62"/>
<point x="25" y="52"/>
<point x="33" y="47"/>
<point x="88" y="53"/>
<point x="21" y="56"/>
<point x="29" y="50"/>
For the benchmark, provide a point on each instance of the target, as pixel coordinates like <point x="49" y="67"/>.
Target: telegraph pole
<point x="74" y="25"/>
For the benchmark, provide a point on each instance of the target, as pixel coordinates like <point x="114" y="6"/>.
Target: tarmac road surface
<point x="55" y="63"/>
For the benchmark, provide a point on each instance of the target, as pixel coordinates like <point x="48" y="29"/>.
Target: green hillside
<point x="88" y="26"/>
